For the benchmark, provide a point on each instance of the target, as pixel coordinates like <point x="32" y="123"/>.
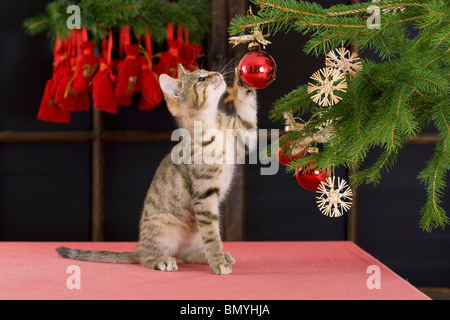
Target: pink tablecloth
<point x="264" y="270"/>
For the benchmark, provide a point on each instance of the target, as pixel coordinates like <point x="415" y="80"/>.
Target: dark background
<point x="45" y="187"/>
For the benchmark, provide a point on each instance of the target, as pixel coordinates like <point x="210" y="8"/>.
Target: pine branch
<point x="361" y="8"/>
<point x="339" y="24"/>
<point x="37" y="24"/>
<point x="141" y="16"/>
<point x="373" y="174"/>
<point x="276" y="15"/>
<point x="433" y="215"/>
<point x="433" y="176"/>
<point x="297" y="100"/>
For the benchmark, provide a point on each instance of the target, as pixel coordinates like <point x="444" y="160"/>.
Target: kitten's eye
<point x="201" y="79"/>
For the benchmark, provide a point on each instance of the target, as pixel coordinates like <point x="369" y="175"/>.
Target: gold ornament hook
<point x="256" y="35"/>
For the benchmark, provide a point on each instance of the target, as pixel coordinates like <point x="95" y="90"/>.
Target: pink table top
<point x="263" y="271"/>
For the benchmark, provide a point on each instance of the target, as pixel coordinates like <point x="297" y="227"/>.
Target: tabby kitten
<point x="180" y="217"/>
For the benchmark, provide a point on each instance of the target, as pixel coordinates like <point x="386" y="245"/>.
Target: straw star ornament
<point x="327" y="82"/>
<point x="343" y="60"/>
<point x="334" y="201"/>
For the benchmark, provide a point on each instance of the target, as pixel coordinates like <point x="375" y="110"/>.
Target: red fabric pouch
<point x="65" y="97"/>
<point x="103" y="84"/>
<point x="86" y="68"/>
<point x="87" y="63"/>
<point x="148" y="82"/>
<point x="170" y="59"/>
<point x="127" y="76"/>
<point x="48" y="110"/>
<point x="189" y="52"/>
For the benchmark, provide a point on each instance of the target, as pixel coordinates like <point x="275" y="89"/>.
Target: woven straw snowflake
<point x="334" y="201"/>
<point x="345" y="61"/>
<point x="327" y="82"/>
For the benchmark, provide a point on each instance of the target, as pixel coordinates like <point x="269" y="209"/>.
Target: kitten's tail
<point x="98" y="256"/>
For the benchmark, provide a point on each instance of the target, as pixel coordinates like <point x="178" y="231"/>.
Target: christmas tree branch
<point x="387" y="102"/>
<point x="286" y="8"/>
<point x="298" y="100"/>
<point x="433" y="215"/>
<point x="301" y="9"/>
<point x="274" y="14"/>
<point x="141" y="16"/>
<point x="348" y="20"/>
<point x="331" y="25"/>
<point x="363" y="7"/>
<point x="33" y="26"/>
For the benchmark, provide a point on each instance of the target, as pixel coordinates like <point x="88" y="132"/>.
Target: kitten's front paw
<point x="221" y="268"/>
<point x="243" y="89"/>
<point x="162" y="263"/>
<point x="229" y="258"/>
<point x="240" y="84"/>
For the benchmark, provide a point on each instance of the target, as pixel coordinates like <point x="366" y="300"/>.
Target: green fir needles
<point x="386" y="102"/>
<point x="141" y="16"/>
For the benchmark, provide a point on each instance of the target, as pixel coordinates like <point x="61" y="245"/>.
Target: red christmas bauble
<point x="286" y="157"/>
<point x="257" y="69"/>
<point x="311" y="179"/>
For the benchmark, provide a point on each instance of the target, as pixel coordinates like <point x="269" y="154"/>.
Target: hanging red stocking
<point x="148" y="83"/>
<point x="48" y="110"/>
<point x="127" y="70"/>
<point x="189" y="52"/>
<point x="87" y="65"/>
<point x="169" y="60"/>
<point x="103" y="85"/>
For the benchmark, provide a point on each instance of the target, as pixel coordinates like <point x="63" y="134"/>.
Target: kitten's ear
<point x="181" y="70"/>
<point x="170" y="86"/>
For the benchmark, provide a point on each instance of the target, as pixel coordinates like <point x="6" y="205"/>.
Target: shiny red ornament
<point x="287" y="156"/>
<point x="311" y="179"/>
<point x="257" y="69"/>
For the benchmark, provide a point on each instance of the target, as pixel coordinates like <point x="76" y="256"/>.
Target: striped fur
<point x="180" y="216"/>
